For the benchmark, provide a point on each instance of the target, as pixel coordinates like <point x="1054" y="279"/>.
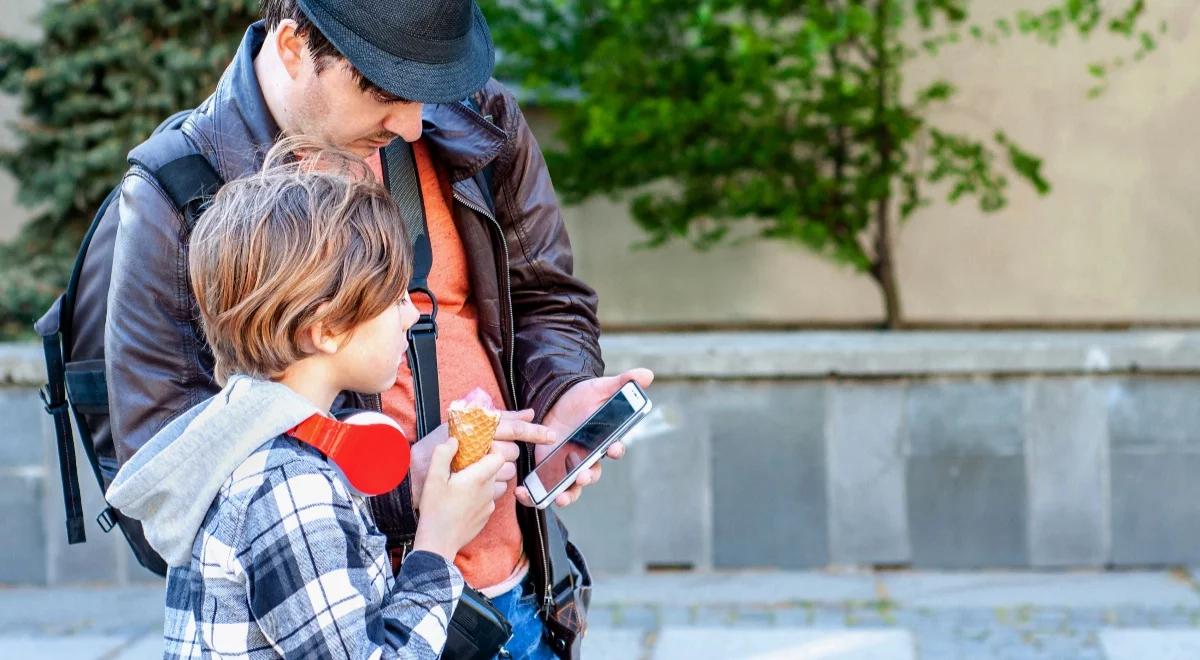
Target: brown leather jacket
<point x="537" y="321"/>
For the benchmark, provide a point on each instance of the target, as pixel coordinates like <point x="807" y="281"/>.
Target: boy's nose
<point x="409" y="314"/>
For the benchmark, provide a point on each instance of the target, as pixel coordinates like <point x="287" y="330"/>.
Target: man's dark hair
<point x="322" y="50"/>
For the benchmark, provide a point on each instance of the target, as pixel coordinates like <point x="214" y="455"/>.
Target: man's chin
<point x="361" y="148"/>
<point x="367" y="146"/>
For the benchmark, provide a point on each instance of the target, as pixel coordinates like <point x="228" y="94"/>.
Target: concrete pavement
<point x="760" y="615"/>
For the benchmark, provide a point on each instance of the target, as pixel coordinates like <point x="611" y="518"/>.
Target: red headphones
<point x="368" y="447"/>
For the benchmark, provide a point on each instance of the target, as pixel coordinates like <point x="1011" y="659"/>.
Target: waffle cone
<point x="473" y="427"/>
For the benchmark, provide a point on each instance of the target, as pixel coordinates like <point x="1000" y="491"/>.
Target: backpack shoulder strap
<point x="183" y="172"/>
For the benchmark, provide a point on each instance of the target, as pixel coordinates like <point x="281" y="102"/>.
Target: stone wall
<point x="932" y="450"/>
<point x="812" y="449"/>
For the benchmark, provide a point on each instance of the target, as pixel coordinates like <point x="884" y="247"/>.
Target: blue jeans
<point x="519" y="606"/>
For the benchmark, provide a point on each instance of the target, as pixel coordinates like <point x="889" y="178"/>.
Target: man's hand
<point x="513" y="426"/>
<point x="572" y="408"/>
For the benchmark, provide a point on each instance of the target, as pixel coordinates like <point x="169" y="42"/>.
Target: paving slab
<point x="783" y="644"/>
<point x="149" y="647"/>
<point x="80" y="610"/>
<point x="1075" y="590"/>
<point x="613" y="643"/>
<point x="759" y="587"/>
<point x="1139" y="644"/>
<point x="82" y="647"/>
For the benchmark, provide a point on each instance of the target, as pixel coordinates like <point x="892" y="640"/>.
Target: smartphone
<point x="587" y="444"/>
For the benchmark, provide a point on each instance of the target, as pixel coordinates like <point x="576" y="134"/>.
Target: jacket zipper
<point x="548" y="600"/>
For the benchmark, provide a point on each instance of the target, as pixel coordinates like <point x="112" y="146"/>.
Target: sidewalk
<point x="761" y="615"/>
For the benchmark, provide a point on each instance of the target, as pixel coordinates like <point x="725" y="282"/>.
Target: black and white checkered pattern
<point x="289" y="563"/>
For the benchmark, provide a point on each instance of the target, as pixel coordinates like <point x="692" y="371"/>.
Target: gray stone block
<point x="1155" y="515"/>
<point x="769" y="496"/>
<point x="601" y="521"/>
<point x="1155" y="413"/>
<point x="958" y="418"/>
<point x="967" y="511"/>
<point x="1067" y="463"/>
<point x="673" y="498"/>
<point x="23" y="544"/>
<point x="865" y="458"/>
<point x="95" y="561"/>
<point x="22" y="443"/>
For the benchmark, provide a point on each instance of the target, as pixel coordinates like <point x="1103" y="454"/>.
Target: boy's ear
<point x="321" y="340"/>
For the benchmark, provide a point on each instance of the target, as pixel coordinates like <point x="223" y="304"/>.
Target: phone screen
<point x="584" y="441"/>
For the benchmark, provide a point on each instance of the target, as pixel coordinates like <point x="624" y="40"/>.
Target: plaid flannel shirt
<point x="289" y="563"/>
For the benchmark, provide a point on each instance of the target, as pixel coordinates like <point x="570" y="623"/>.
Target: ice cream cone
<point x="474" y="427"/>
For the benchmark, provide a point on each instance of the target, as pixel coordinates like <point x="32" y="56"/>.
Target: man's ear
<point x="292" y="47"/>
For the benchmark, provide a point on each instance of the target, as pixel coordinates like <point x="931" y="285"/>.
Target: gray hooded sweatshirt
<point x="171" y="482"/>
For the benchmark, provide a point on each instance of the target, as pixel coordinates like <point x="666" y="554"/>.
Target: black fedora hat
<point x="433" y="51"/>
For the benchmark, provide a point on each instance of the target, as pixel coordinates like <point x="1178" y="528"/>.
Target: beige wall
<point x="15" y="20"/>
<point x="1118" y="239"/>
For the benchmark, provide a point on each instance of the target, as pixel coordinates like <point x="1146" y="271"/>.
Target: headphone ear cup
<point x="368" y="448"/>
<point x="369" y="418"/>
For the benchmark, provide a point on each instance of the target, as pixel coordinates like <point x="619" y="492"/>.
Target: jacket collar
<point x="240" y="128"/>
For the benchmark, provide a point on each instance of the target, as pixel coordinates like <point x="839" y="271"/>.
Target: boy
<point x="300" y="274"/>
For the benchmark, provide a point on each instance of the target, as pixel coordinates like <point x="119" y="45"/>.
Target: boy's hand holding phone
<point x="456" y="505"/>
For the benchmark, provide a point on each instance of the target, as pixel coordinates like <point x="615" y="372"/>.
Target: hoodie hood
<point x="171" y="482"/>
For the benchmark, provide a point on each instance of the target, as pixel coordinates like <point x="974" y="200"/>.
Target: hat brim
<point x="443" y="82"/>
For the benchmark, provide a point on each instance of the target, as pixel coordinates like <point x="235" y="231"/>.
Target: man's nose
<point x="405" y="121"/>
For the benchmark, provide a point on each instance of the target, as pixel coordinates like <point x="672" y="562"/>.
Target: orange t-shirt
<point x="463" y="365"/>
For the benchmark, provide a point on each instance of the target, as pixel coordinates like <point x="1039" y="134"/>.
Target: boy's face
<point x="369" y="361"/>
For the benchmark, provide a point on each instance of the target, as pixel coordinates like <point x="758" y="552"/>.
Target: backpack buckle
<point x="107" y="520"/>
<point x="47" y="401"/>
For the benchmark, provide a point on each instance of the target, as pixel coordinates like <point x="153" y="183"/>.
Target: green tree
<point x="103" y="74"/>
<point x="780" y="119"/>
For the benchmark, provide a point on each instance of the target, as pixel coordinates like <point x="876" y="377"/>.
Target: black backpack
<point x="76" y="388"/>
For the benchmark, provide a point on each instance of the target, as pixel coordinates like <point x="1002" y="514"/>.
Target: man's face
<point x="331" y="106"/>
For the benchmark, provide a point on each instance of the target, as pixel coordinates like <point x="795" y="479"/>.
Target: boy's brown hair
<point x="307" y="240"/>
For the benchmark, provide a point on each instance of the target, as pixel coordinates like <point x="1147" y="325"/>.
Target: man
<point x="513" y="319"/>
